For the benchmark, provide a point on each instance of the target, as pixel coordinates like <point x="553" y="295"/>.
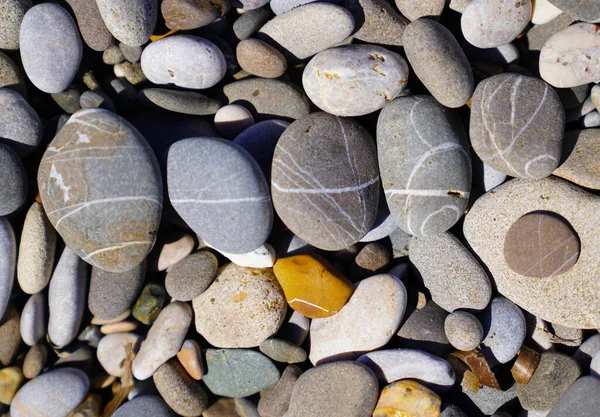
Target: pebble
<point x="91" y="335"/>
<point x="50" y="47"/>
<point x="586" y="351"/>
<point x="112" y="55"/>
<point x="580" y="399"/>
<point x="538" y="35"/>
<point x="367" y="322"/>
<point x="35" y="360"/>
<point x="376" y="21"/>
<point x="586" y="11"/>
<point x="282" y="6"/>
<point x="424" y="202"/>
<point x="553" y="376"/>
<point x="261" y="59"/>
<point x="149" y="303"/>
<point x="305" y="195"/>
<point x="130" y="21"/>
<point x="106" y="225"/>
<point x="191" y="276"/>
<point x="233" y="119"/>
<point x="591" y="120"/>
<point x="186" y="102"/>
<point x="54" y="394"/>
<point x="250" y="22"/>
<point x="238" y="372"/>
<point x="281" y="350"/>
<point x="184" y="395"/>
<point x="233" y="314"/>
<point x="114" y="349"/>
<point x="469" y="286"/>
<point x="506" y="330"/>
<point x="113" y="293"/>
<point x="34" y="318"/>
<point x="489" y="23"/>
<point x="268" y="98"/>
<point x="416" y="10"/>
<point x="172" y="246"/>
<point x="20" y="126"/>
<point x="341" y="389"/>
<point x="395" y="364"/>
<point x="191" y="359"/>
<point x="262" y="257"/>
<point x="163" y="340"/>
<point x="438" y="61"/>
<point x="453" y="411"/>
<point x="96" y="99"/>
<point x="223" y="407"/>
<point x="69" y="99"/>
<point x="131" y="71"/>
<point x="400" y="243"/>
<point x="190" y="14"/>
<point x="119" y="327"/>
<point x="322" y="26"/>
<point x="371" y="259"/>
<point x="144" y="405"/>
<point x="10" y="337"/>
<point x="489" y="400"/>
<point x="89" y="407"/>
<point x="275" y="400"/>
<point x="93" y="30"/>
<point x="534" y="150"/>
<point x="36" y="251"/>
<point x="12" y="12"/>
<point x="132" y="53"/>
<point x="66" y="298"/>
<point x="424" y="329"/>
<point x="8" y="261"/>
<point x="11" y="380"/>
<point x="543" y="12"/>
<point x="407" y="398"/>
<point x="464" y="331"/>
<point x="184" y="60"/>
<point x="10" y="76"/>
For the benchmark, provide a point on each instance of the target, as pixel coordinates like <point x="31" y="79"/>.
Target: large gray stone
<point x="581" y="399"/>
<point x="505" y="328"/>
<point x="12" y="12"/>
<point x="20" y="126"/>
<point x="130" y="21"/>
<point x="587" y="11"/>
<point x="8" y="263"/>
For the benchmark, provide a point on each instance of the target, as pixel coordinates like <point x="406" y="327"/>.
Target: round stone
<point x="114" y="350"/>
<point x="12" y="12"/>
<point x="184" y="60"/>
<point x="130" y="21"/>
<point x="191" y="276"/>
<point x="186" y="102"/>
<point x="463" y="330"/>
<point x="144" y="405"/>
<point x="34" y="318"/>
<point x="371" y="259"/>
<point x="184" y="395"/>
<point x="377" y="21"/>
<point x="242" y="308"/>
<point x="50" y="47"/>
<point x="110" y="216"/>
<point x="132" y="53"/>
<point x="92" y="28"/>
<point x="35" y="360"/>
<point x="541" y="245"/>
<point x="354" y="80"/>
<point x="20" y="126"/>
<point x="8" y="262"/>
<point x="261" y="59"/>
<point x="112" y="55"/>
<point x="414" y="10"/>
<point x="191" y="14"/>
<point x="424" y="330"/>
<point x="331" y="208"/>
<point x="282" y="351"/>
<point x="233" y="119"/>
<point x="506" y="330"/>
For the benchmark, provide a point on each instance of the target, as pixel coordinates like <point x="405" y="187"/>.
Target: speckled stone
<point x="425" y="166"/>
<point x="144" y="405"/>
<point x="232" y="213"/>
<point x="93" y="30"/>
<point x="184" y="395"/>
<point x="275" y="401"/>
<point x="232" y="314"/>
<point x="488" y="23"/>
<point x="261" y="59"/>
<point x="414" y="10"/>
<point x="322" y="26"/>
<point x="580" y="399"/>
<point x="505" y="328"/>
<point x="35" y="360"/>
<point x="184" y="60"/>
<point x="68" y="100"/>
<point x="308" y="198"/>
<point x="50" y="47"/>
<point x="587" y="11"/>
<point x="223" y="407"/>
<point x="20" y="126"/>
<point x="282" y="6"/>
<point x="114" y="349"/>
<point x="130" y="21"/>
<point x="124" y="179"/>
<point x="537" y="36"/>
<point x="8" y="262"/>
<point x="371" y="259"/>
<point x="191" y="14"/>
<point x="238" y="372"/>
<point x="269" y="99"/>
<point x="376" y="21"/>
<point x="34" y="318"/>
<point x="463" y="330"/>
<point x="190" y="277"/>
<point x="354" y="80"/>
<point x="341" y="389"/>
<point x="250" y="22"/>
<point x="10" y="75"/>
<point x="53" y="394"/>
<point x="132" y="53"/>
<point x="528" y="145"/>
<point x="577" y="289"/>
<point x="96" y="99"/>
<point x="437" y="59"/>
<point x="112" y="55"/>
<point x="10" y="335"/>
<point x="489" y="400"/>
<point x="281" y="350"/>
<point x="400" y="243"/>
<point x="424" y="329"/>
<point x="579" y="166"/>
<point x="12" y="12"/>
<point x="13" y="182"/>
<point x="186" y="102"/>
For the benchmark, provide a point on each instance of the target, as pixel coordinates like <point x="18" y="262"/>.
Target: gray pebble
<point x="96" y="99"/>
<point x="12" y="12"/>
<point x="34" y="319"/>
<point x="506" y="330"/>
<point x="186" y="102"/>
<point x="584" y="353"/>
<point x="13" y="182"/>
<point x="424" y="329"/>
<point x="377" y="21"/>
<point x="113" y="55"/>
<point x="463" y="330"/>
<point x="400" y="242"/>
<point x="68" y="100"/>
<point x="250" y="22"/>
<point x="130" y="21"/>
<point x="144" y="405"/>
<point x="122" y="93"/>
<point x="232" y="119"/>
<point x="8" y="262"/>
<point x="452" y="411"/>
<point x="591" y="120"/>
<point x="132" y="53"/>
<point x="20" y="126"/>
<point x="581" y="399"/>
<point x="414" y="10"/>
<point x="282" y="6"/>
<point x="586" y="11"/>
<point x="183" y="394"/>
<point x="489" y="400"/>
<point x="191" y="276"/>
<point x="10" y="75"/>
<point x="537" y="36"/>
<point x="275" y="401"/>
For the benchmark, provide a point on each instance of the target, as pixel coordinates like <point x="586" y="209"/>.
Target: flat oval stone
<point x="191" y="276"/>
<point x="34" y="319"/>
<point x="130" y="21"/>
<point x="354" y="80"/>
<point x="587" y="11"/>
<point x="322" y="26"/>
<point x="423" y="329"/>
<point x="109" y="216"/>
<point x="35" y="360"/>
<point x="114" y="349"/>
<point x="407" y="398"/>
<point x="570" y="57"/>
<point x="517" y="125"/>
<point x="144" y="405"/>
<point x="232" y="213"/>
<point x="282" y="351"/>
<point x="184" y="395"/>
<point x="329" y="211"/>
<point x="93" y="30"/>
<point x="376" y="21"/>
<point x="438" y="60"/>
<point x="341" y="389"/>
<point x="20" y="126"/>
<point x="191" y="359"/>
<point x="190" y="14"/>
<point x="12" y="12"/>
<point x="51" y="48"/>
<point x="580" y="399"/>
<point x="261" y="59"/>
<point x="367" y="322"/>
<point x="54" y="394"/>
<point x="184" y="60"/>
<point x="249" y="23"/>
<point x="579" y="147"/>
<point x="238" y="372"/>
<point x="186" y="102"/>
<point x="8" y="263"/>
<point x="10" y="335"/>
<point x="489" y="23"/>
<point x="505" y="330"/>
<point x="275" y="400"/>
<point x="425" y="164"/>
<point x="241" y="308"/>
<point x="464" y="331"/>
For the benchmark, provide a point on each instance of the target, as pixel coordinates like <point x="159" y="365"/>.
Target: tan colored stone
<point x="35" y="360"/>
<point x="190" y="358"/>
<point x="101" y="322"/>
<point x="407" y="399"/>
<point x="122" y="326"/>
<point x="579" y="150"/>
<point x="260" y="59"/>
<point x="11" y="380"/>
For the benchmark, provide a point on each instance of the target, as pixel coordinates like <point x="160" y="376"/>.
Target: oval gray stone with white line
<point x="425" y="164"/>
<point x="220" y="191"/>
<point x="517" y="125"/>
<point x="325" y="181"/>
<point x="102" y="190"/>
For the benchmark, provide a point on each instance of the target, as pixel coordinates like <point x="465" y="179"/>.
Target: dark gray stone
<point x="13" y="181"/>
<point x="274" y="401"/>
<point x="250" y="22"/>
<point x="130" y="52"/>
<point x="145" y="405"/>
<point x="424" y="329"/>
<point x="186" y="102"/>
<point x="130" y="21"/>
<point x="96" y="100"/>
<point x="191" y="276"/>
<point x="581" y="399"/>
<point x="20" y="126"/>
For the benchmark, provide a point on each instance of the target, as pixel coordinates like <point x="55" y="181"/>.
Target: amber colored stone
<point x="407" y="399"/>
<point x="11" y="380"/>
<point x="190" y="358"/>
<point x="525" y="365"/>
<point x="312" y="286"/>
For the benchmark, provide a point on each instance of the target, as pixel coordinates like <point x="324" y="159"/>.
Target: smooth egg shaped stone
<point x="130" y="21"/>
<point x="8" y="262"/>
<point x="220" y="191"/>
<point x="325" y="181"/>
<point x="13" y="181"/>
<point x="184" y="60"/>
<point x="517" y="125"/>
<point x="354" y="80"/>
<point x="425" y="164"/>
<point x="51" y="48"/>
<point x="102" y="190"/>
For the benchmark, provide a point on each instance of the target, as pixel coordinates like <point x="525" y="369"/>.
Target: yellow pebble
<point x="11" y="380"/>
<point x="407" y="399"/>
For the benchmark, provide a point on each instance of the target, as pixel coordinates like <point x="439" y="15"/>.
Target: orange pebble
<point x="407" y="399"/>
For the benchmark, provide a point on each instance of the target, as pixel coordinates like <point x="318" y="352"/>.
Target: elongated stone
<point x="34" y="319"/>
<point x="130" y="21"/>
<point x="8" y="262"/>
<point x="184" y="395"/>
<point x="93" y="30"/>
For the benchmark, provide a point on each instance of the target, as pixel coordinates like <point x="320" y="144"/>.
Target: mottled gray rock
<point x="400" y="242"/>
<point x="184" y="60"/>
<point x="261" y="59"/>
<point x="34" y="319"/>
<point x="341" y="389"/>
<point x="191" y="276"/>
<point x="130" y="21"/>
<point x="186" y="102"/>
<point x="8" y="263"/>
<point x="232" y="212"/>
<point x="10" y="75"/>
<point x="144" y="405"/>
<point x="581" y="399"/>
<point x="354" y="80"/>
<point x="10" y="336"/>
<point x="96" y="99"/>
<point x="191" y="14"/>
<point x="51" y="47"/>
<point x="112" y="55"/>
<point x="275" y="401"/>
<point x="587" y="11"/>
<point x="53" y="394"/>
<point x="122" y="176"/>
<point x="12" y="12"/>
<point x="489" y="400"/>
<point x="426" y="174"/>
<point x="20" y="126"/>
<point x="322" y="26"/>
<point x="331" y="208"/>
<point x="376" y="21"/>
<point x="517" y="125"/>
<point x="452" y="411"/>
<point x="114" y="349"/>
<point x="93" y="30"/>
<point x="184" y="395"/>
<point x="437" y="59"/>
<point x="505" y="327"/>
<point x="414" y="10"/>
<point x="424" y="329"/>
<point x="250" y="22"/>
<point x="463" y="330"/>
<point x="68" y="100"/>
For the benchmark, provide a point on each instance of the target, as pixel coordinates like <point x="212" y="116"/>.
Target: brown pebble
<point x="373" y="258"/>
<point x="35" y="360"/>
<point x="11" y="380"/>
<point x="525" y="365"/>
<point x="190" y="358"/>
<point x="171" y="247"/>
<point x="224" y="407"/>
<point x="191" y="14"/>
<point x="261" y="59"/>
<point x="93" y="30"/>
<point x="123" y="326"/>
<point x="101" y="381"/>
<point x="133" y="72"/>
<point x="10" y="335"/>
<point x="100" y="322"/>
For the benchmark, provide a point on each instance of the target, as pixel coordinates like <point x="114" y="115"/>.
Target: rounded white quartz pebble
<point x="233" y="119"/>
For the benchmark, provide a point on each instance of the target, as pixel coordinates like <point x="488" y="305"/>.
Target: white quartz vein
<point x="325" y="190"/>
<point x="54" y="174"/>
<point x="222" y="200"/>
<point x="430" y="193"/>
<point x="116" y="247"/>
